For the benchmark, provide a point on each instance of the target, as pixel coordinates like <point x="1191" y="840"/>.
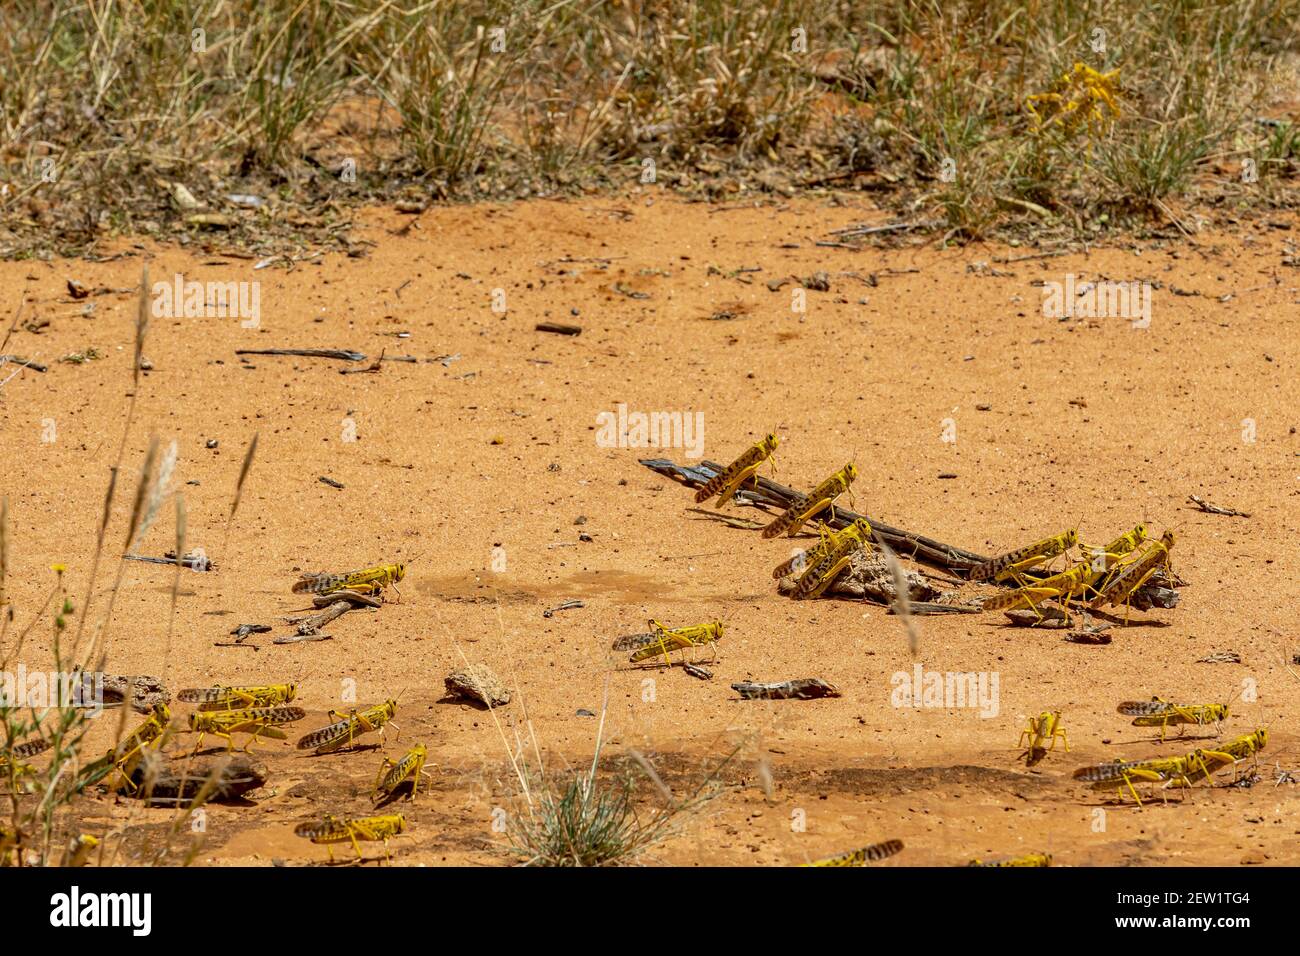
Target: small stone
<point x="477" y="683"/>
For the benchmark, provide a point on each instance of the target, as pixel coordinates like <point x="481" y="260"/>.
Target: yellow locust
<point x="1161" y="713"/>
<point x="368" y="580"/>
<point x="335" y="830"/>
<point x="1011" y="564"/>
<point x="868" y="854"/>
<point x="678" y="639"/>
<point x="347" y="727"/>
<point x="805" y="507"/>
<point x="837" y="554"/>
<point x="726" y="482"/>
<point x="393" y="775"/>
<point x="232" y="698"/>
<point x="255" y="721"/>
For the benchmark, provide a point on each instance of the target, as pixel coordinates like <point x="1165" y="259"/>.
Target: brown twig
<point x="559" y="328"/>
<point x="314" y="622"/>
<point x="344" y="354"/>
<point x="1215" y="509"/>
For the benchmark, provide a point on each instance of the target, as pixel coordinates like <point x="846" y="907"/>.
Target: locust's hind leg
<point x="731" y="487"/>
<point x="816" y="509"/>
<point x="1028" y="595"/>
<point x="1140" y="774"/>
<point x="829" y="576"/>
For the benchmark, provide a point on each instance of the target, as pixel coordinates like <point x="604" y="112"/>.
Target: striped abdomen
<point x="1047" y="548"/>
<point x="868" y="854"/>
<point x="754" y="456"/>
<point x="804" y="507"/>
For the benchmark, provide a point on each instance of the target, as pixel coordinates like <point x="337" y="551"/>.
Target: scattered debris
<point x="25" y="363"/>
<point x="192" y="561"/>
<point x="1221" y="657"/>
<point x="1087" y="637"/>
<point x="81" y="358"/>
<point x="923" y="608"/>
<point x="857" y="232"/>
<point x="804" y="688"/>
<point x="312" y="624"/>
<point x="564" y="606"/>
<point x="241" y="633"/>
<point x="1215" y="509"/>
<point x="342" y="354"/>
<point x="1047" y="616"/>
<point x="631" y="293"/>
<point x="301" y="638"/>
<point x="1245" y="781"/>
<point x="375" y="366"/>
<point x="324" y="479"/>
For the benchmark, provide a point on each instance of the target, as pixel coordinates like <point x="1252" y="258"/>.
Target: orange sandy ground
<point x="1088" y="422"/>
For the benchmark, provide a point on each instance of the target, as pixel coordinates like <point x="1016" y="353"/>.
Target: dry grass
<point x="309" y="105"/>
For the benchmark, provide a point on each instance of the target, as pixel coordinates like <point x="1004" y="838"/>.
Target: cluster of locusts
<point x="1103" y="575"/>
<point x="346" y="727"/>
<point x="1043" y="731"/>
<point x="259" y="712"/>
<point x="1200" y="764"/>
<point x="1109" y="575"/>
<point x="817" y="567"/>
